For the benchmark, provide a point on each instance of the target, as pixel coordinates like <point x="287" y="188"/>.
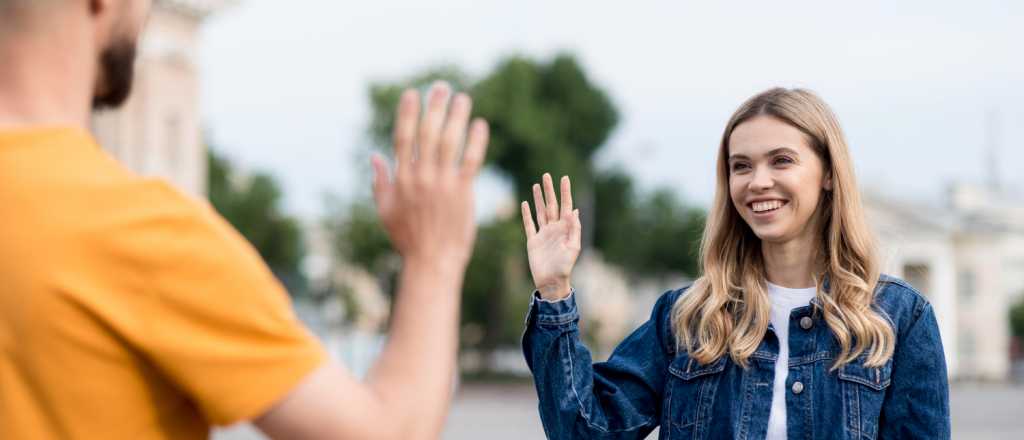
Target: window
<point x="965" y="285"/>
<point x="966" y="344"/>
<point x="918" y="275"/>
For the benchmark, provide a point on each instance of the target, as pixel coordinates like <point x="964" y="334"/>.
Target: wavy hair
<point x="726" y="311"/>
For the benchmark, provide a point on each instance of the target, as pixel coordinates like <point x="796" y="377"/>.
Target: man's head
<point x="111" y="29"/>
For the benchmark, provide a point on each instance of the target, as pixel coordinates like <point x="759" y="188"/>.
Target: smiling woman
<point x="789" y="332"/>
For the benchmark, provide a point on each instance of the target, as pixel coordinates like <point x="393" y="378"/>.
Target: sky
<point x="923" y="89"/>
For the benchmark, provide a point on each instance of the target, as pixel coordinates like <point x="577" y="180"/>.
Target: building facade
<point x="158" y="132"/>
<point x="967" y="257"/>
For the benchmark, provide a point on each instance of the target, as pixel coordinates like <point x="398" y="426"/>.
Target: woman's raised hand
<point x="554" y="246"/>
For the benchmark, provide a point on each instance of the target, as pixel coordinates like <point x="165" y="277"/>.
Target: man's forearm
<point x="414" y="374"/>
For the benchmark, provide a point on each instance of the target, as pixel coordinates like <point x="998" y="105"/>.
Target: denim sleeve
<point x="617" y="399"/>
<point x="917" y="403"/>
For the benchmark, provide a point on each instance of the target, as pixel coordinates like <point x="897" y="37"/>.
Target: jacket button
<point x="798" y="387"/>
<point x="806" y="323"/>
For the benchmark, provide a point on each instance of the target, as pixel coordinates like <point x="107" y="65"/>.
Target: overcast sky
<point x="284" y="82"/>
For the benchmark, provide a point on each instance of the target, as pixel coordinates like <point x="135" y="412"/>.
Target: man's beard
<point x="117" y="68"/>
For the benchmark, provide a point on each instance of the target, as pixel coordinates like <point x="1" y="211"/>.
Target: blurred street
<point x="500" y="412"/>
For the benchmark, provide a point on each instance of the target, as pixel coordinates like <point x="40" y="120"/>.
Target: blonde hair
<point x="727" y="308"/>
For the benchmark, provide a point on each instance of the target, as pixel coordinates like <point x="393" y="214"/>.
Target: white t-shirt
<point x="783" y="300"/>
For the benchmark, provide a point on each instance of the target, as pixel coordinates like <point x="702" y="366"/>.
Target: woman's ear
<point x="827" y="184"/>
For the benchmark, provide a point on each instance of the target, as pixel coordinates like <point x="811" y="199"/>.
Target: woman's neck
<point x="790" y="264"/>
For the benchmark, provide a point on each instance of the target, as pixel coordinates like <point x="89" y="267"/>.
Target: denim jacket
<point x="648" y="383"/>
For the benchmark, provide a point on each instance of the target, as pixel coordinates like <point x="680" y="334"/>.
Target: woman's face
<point x="775" y="178"/>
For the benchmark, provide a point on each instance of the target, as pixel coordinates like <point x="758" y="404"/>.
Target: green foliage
<point x="544" y="117"/>
<point x="613" y="214"/>
<point x="252" y="205"/>
<point x="360" y="238"/>
<point x="670" y="235"/>
<point x="497" y="285"/>
<point x="647" y="235"/>
<point x="1017" y="319"/>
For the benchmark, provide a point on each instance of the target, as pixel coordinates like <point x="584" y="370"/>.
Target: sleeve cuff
<point x="548" y="312"/>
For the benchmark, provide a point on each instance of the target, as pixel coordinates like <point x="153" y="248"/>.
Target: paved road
<point x="500" y="412"/>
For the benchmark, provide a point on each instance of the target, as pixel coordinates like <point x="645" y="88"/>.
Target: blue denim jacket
<point x="648" y="383"/>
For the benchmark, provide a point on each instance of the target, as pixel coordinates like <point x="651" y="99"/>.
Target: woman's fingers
<point x="547" y="205"/>
<point x="538" y="204"/>
<point x="531" y="230"/>
<point x="566" y="198"/>
<point x="575" y="233"/>
<point x="550" y="201"/>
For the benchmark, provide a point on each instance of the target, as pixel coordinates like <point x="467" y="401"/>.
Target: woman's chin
<point x="770" y="235"/>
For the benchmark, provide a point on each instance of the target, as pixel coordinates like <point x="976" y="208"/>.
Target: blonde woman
<point x="789" y="333"/>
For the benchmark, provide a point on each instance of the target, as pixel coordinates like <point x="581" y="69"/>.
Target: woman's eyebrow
<point x="773" y="152"/>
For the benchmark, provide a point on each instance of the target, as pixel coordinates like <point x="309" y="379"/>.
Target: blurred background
<point x="270" y="110"/>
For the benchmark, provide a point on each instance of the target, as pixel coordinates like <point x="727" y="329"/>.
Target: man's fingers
<point x="531" y="230"/>
<point x="566" y="197"/>
<point x="381" y="180"/>
<point x="455" y="129"/>
<point x="430" y="127"/>
<point x="538" y="204"/>
<point x="476" y="148"/>
<point x="549" y="198"/>
<point x="381" y="177"/>
<point x="405" y="129"/>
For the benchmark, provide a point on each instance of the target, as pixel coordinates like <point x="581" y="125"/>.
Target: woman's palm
<point x="554" y="246"/>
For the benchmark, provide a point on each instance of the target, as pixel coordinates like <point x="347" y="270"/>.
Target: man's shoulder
<point x="146" y="224"/>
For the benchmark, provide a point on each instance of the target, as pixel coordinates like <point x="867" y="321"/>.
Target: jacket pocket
<point x="691" y="391"/>
<point x="863" y="394"/>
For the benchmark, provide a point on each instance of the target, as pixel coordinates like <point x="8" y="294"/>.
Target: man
<point x="129" y="311"/>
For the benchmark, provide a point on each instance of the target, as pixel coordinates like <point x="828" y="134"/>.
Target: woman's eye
<point x="783" y="160"/>
<point x="739" y="166"/>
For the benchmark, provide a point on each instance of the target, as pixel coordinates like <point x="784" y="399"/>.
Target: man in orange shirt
<point x="128" y="310"/>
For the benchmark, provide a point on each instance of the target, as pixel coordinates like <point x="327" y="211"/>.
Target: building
<point x="158" y="130"/>
<point x="967" y="257"/>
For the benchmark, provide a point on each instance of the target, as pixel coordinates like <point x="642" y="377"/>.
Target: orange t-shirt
<point x="128" y="310"/>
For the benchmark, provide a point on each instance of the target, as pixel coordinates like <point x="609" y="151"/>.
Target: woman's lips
<point x="768" y="209"/>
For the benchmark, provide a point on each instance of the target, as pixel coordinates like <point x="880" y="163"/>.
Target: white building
<point x="968" y="258"/>
<point x="158" y="130"/>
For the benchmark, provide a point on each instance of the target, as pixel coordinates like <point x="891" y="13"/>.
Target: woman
<point x="790" y="332"/>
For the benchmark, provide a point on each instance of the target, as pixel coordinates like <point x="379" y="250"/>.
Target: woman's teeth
<point x="767" y="206"/>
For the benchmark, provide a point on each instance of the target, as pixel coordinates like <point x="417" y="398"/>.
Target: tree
<point x="1017" y="319"/>
<point x="649" y="234"/>
<point x="544" y="117"/>
<point x="494" y="293"/>
<point x="252" y="205"/>
<point x="360" y="238"/>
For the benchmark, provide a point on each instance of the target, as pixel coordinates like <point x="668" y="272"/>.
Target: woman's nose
<point x="762" y="179"/>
